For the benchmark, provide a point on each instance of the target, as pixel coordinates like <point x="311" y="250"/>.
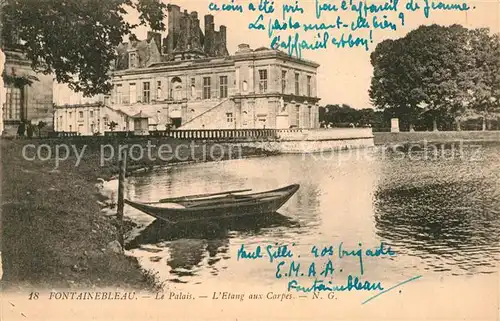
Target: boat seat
<point x="242" y="196"/>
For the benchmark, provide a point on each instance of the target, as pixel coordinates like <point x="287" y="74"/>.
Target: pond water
<point x="439" y="212"/>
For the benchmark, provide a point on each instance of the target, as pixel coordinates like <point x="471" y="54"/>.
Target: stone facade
<point x="74" y="113"/>
<point x="25" y="102"/>
<point x="189" y="81"/>
<point x="21" y="101"/>
<point x="89" y="119"/>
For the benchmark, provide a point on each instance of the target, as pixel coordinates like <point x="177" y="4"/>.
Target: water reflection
<point x="440" y="215"/>
<point x="448" y="215"/>
<point x="189" y="244"/>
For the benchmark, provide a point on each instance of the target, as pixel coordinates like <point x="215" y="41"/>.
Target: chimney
<point x="196" y="34"/>
<point x="173" y="7"/>
<point x="209" y="22"/>
<point x="223" y="31"/>
<point x="243" y="48"/>
<point x="209" y="35"/>
<point x="173" y="27"/>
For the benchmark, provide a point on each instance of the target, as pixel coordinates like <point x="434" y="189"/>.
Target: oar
<point x="176" y="199"/>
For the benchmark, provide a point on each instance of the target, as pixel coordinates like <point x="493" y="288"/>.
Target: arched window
<point x="245" y="85"/>
<point x="245" y="118"/>
<point x="176" y="88"/>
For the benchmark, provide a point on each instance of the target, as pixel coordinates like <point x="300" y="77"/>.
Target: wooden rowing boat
<point x="215" y="206"/>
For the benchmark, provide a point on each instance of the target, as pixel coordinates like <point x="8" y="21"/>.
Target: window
<point x="206" y="88"/>
<point x="70" y="114"/>
<point x="91" y="114"/>
<point x="119" y="94"/>
<point x="245" y="85"/>
<point x="132" y="60"/>
<point x="133" y="93"/>
<point x="80" y="114"/>
<point x="245" y="118"/>
<point x="193" y="87"/>
<point x="229" y="117"/>
<point x="70" y="128"/>
<point x="263" y="81"/>
<point x="297" y="115"/>
<point x="297" y="84"/>
<point x="309" y="89"/>
<point x="283" y="81"/>
<point x="310" y="119"/>
<point x="176" y="92"/>
<point x="146" y="92"/>
<point x="223" y="86"/>
<point x="12" y="107"/>
<point x="158" y="90"/>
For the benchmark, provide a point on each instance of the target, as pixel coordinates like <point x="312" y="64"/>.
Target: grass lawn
<point x="53" y="232"/>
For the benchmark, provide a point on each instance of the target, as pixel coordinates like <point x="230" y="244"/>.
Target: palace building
<point x="22" y="101"/>
<point x="25" y="96"/>
<point x="188" y="80"/>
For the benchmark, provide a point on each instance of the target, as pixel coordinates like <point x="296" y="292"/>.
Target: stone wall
<point x="325" y="134"/>
<point x="306" y="147"/>
<point x="300" y="141"/>
<point x="440" y="137"/>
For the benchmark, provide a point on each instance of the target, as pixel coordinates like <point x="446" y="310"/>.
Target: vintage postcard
<point x="250" y="160"/>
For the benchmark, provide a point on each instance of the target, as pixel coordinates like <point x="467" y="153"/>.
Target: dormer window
<point x="132" y="60"/>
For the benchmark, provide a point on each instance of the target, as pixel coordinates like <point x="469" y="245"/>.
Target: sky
<point x="344" y="74"/>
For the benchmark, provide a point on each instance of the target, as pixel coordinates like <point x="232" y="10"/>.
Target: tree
<point x="393" y="89"/>
<point x="74" y="39"/>
<point x="484" y="85"/>
<point x="343" y="115"/>
<point x="426" y="73"/>
<point x="445" y="62"/>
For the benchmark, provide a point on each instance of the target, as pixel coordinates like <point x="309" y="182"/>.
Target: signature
<point x="353" y="284"/>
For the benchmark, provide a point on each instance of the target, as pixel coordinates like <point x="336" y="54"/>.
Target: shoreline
<point x="58" y="231"/>
<point x="437" y="137"/>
